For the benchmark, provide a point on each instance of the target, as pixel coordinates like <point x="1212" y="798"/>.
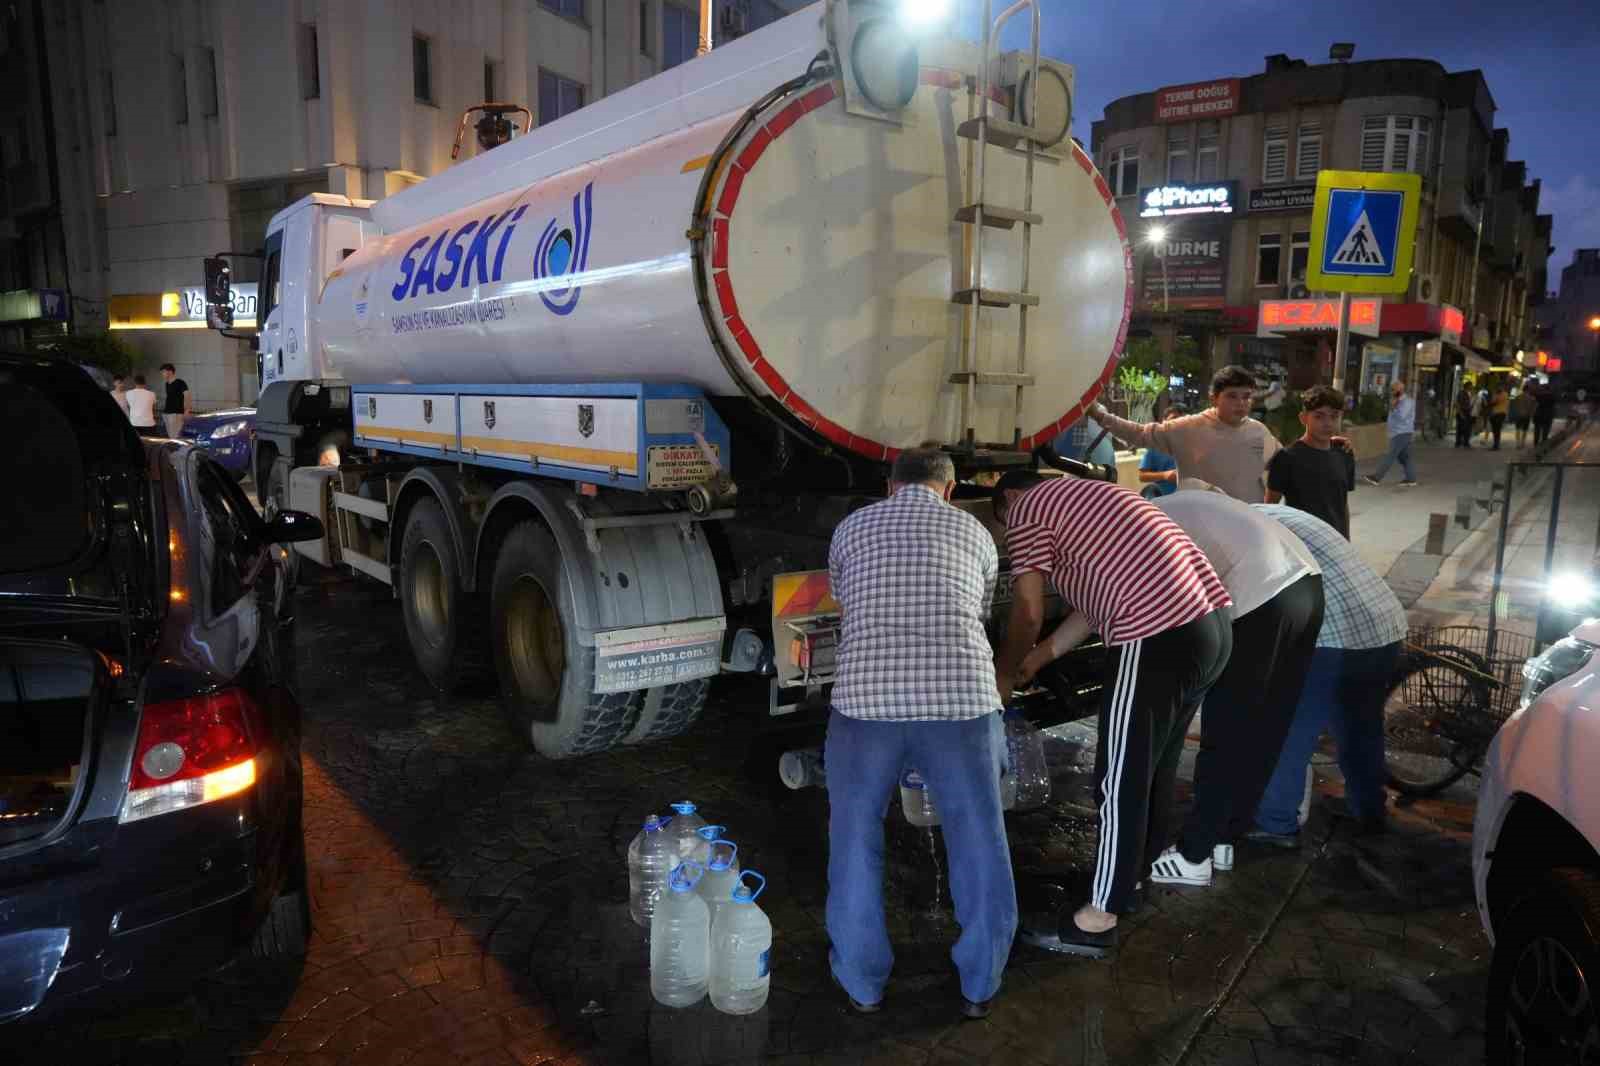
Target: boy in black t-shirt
<point x="1316" y="473"/>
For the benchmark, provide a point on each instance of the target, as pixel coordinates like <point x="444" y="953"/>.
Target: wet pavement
<point x="470" y="904"/>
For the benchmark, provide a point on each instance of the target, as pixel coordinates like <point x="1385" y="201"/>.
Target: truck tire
<point x="669" y="710"/>
<point x="546" y="677"/>
<point x="444" y="622"/>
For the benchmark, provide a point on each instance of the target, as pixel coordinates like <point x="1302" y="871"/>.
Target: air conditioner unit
<point x="1425" y="288"/>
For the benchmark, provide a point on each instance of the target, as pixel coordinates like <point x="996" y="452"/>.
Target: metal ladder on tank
<point x="982" y="215"/>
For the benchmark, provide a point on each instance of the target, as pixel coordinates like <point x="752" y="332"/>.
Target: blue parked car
<point x="229" y="436"/>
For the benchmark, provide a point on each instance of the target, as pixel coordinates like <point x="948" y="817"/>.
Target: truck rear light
<point x="192" y="751"/>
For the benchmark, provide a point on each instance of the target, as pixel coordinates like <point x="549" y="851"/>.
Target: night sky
<point x="1541" y="59"/>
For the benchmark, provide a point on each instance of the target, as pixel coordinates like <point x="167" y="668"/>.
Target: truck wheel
<point x="669" y="710"/>
<point x="443" y="621"/>
<point x="1540" y="1005"/>
<point x="547" y="677"/>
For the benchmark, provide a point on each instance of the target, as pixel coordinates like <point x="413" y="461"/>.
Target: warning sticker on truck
<point x="630" y="659"/>
<point x="678" y="466"/>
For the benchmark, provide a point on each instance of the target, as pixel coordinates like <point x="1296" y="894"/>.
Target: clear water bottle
<point x="916" y="800"/>
<point x="683" y="829"/>
<point x="1030" y="774"/>
<point x="680" y="940"/>
<point x="741" y="950"/>
<point x="651" y="856"/>
<point x="708" y="834"/>
<point x="722" y="876"/>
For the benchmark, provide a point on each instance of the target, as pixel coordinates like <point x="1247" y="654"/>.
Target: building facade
<point x="179" y="127"/>
<point x="1569" y="333"/>
<point x="1217" y="181"/>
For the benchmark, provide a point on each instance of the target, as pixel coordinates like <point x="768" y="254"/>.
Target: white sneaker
<point x="1171" y="868"/>
<point x="1222" y="857"/>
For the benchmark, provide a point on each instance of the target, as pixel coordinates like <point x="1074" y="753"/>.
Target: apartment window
<point x="1177" y="154"/>
<point x="1299" y="254"/>
<point x="680" y="35"/>
<point x="208" y="82"/>
<point x="1208" y="155"/>
<point x="572" y="9"/>
<point x="422" y="69"/>
<point x="557" y="96"/>
<point x="1395" y="143"/>
<point x="1275" y="154"/>
<point x="110" y="103"/>
<point x="1122" y="170"/>
<point x="491" y="81"/>
<point x="180" y="90"/>
<point x="644" y="29"/>
<point x="1269" y="258"/>
<point x="1308" y="150"/>
<point x="310" y="63"/>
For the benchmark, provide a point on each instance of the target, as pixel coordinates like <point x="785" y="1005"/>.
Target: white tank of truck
<point x="758" y="225"/>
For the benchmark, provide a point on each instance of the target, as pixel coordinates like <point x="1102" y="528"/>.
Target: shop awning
<point x="1471" y="361"/>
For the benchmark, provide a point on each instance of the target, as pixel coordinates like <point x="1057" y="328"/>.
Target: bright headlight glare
<point x="1571" y="591"/>
<point x="229" y="429"/>
<point x="924" y="13"/>
<point x="1558" y="662"/>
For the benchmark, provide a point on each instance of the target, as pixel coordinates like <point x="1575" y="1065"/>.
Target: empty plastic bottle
<point x="651" y="857"/>
<point x="721" y="877"/>
<point x="803" y="769"/>
<point x="708" y="834"/>
<point x="916" y="800"/>
<point x="680" y="940"/>
<point x="682" y="828"/>
<point x="741" y="950"/>
<point x="1030" y="774"/>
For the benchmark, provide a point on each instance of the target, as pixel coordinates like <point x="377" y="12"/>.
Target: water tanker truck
<point x="592" y="401"/>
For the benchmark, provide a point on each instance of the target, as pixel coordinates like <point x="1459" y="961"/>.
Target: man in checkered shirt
<point x="1357" y="650"/>
<point x="915" y="690"/>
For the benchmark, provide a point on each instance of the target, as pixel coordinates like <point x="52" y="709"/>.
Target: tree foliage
<point x="102" y="350"/>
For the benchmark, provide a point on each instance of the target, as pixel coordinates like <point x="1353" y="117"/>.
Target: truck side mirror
<point x="219" y="293"/>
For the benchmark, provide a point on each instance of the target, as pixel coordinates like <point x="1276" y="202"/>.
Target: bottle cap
<point x="743" y="893"/>
<point x="654" y="824"/>
<point x="684" y="807"/>
<point x="720" y="861"/>
<point x="711" y="832"/>
<point x="685" y="876"/>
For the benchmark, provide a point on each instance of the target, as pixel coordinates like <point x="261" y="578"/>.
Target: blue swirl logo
<point x="564" y="253"/>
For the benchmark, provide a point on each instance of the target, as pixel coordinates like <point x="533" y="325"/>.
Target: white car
<point x="1536" y="861"/>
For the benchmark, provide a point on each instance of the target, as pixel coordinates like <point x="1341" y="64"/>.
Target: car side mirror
<point x="219" y="293"/>
<point x="287" y="527"/>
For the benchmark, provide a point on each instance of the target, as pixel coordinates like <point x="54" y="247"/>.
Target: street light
<point x="1155" y="236"/>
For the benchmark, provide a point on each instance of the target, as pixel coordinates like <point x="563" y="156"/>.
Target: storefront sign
<point x="31" y="305"/>
<point x="1278" y="317"/>
<point x="179" y="309"/>
<point x="1205" y="99"/>
<point x="1283" y="198"/>
<point x="1169" y="201"/>
<point x="1451" y="323"/>
<point x="1429" y="353"/>
<point x="1196" y="269"/>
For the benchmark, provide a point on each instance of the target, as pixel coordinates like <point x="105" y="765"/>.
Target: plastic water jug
<point x="741" y="950"/>
<point x="916" y="800"/>
<point x="651" y="857"/>
<point x="682" y="829"/>
<point x="708" y="835"/>
<point x="1030" y="774"/>
<point x="721" y="877"/>
<point x="680" y="940"/>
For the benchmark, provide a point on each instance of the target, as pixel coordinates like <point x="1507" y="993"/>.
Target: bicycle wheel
<point x="1427" y="691"/>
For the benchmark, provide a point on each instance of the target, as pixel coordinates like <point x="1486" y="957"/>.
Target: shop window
<point x="1308" y="151"/>
<point x="680" y="35"/>
<point x="1177" y="155"/>
<point x="422" y="70"/>
<point x="557" y="96"/>
<point x="1275" y="154"/>
<point x="1299" y="254"/>
<point x="1269" y="258"/>
<point x="1122" y="170"/>
<point x="1395" y="143"/>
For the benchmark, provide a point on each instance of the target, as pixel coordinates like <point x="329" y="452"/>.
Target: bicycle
<point x="1448" y="698"/>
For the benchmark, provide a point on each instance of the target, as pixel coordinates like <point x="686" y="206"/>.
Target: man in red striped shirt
<point x="1133" y="576"/>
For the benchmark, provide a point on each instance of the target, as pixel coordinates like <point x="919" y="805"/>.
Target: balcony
<point x="1461" y="207"/>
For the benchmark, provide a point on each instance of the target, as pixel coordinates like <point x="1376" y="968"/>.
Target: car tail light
<point x="192" y="751"/>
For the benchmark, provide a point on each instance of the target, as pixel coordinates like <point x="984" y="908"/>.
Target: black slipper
<point x="1063" y="937"/>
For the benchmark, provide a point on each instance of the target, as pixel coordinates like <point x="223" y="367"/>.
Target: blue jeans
<point x="960" y="761"/>
<point x="1344" y="693"/>
<point x="1399" y="448"/>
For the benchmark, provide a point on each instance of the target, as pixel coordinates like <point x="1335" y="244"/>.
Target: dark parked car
<point x="150" y="774"/>
<point x="229" y="437"/>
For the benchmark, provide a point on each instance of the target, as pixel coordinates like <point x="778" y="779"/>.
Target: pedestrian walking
<point x="1135" y="578"/>
<point x="119" y="393"/>
<point x="1222" y="444"/>
<point x="1499" y="407"/>
<point x="142" y="407"/>
<point x="1314" y="473"/>
<point x="1522" y="408"/>
<point x="179" y="404"/>
<point x="1544" y="412"/>
<point x="1480" y="411"/>
<point x="1158" y="471"/>
<point x="1357" y="649"/>
<point x="1276" y="588"/>
<point x="1402" y="420"/>
<point x="915" y="689"/>
<point x="1464" y="417"/>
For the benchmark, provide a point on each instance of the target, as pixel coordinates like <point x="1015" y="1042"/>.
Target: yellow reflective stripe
<point x="625" y="462"/>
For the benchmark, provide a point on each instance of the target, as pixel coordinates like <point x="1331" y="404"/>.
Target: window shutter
<point x="1275" y="154"/>
<point x="1308" y="157"/>
<point x="1374" y="135"/>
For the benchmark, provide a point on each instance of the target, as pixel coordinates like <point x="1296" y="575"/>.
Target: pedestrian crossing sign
<point x="1363" y="231"/>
